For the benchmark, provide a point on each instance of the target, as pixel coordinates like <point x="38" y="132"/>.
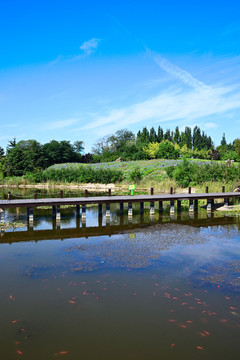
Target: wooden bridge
<point x="82" y="202"/>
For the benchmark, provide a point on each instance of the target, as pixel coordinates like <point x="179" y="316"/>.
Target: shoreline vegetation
<point x="158" y="173"/>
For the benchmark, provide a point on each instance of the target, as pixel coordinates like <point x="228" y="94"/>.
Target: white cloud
<point x="210" y="125"/>
<point x="88" y="47"/>
<point x="60" y="124"/>
<point x="175" y="105"/>
<point x="190" y="103"/>
<point x="174" y="70"/>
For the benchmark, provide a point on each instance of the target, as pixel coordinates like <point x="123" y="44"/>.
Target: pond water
<point x="159" y="288"/>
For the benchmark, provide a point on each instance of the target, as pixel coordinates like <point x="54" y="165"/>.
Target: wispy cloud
<point x="210" y="125"/>
<point x="231" y="29"/>
<point x="66" y="58"/>
<point x="177" y="72"/>
<point x="60" y="124"/>
<point x="89" y="47"/>
<point x="183" y="103"/>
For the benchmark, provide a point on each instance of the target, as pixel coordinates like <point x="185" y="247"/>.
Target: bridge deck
<point x="113" y="199"/>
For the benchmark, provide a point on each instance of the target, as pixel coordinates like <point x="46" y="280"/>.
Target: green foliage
<point x="135" y="174"/>
<point x="151" y="150"/>
<point x="81" y="174"/>
<point x="167" y="150"/>
<point x="182" y="173"/>
<point x="231" y="155"/>
<point x="187" y="172"/>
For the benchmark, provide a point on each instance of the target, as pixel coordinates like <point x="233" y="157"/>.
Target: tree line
<point x="150" y="144"/>
<point x="29" y="156"/>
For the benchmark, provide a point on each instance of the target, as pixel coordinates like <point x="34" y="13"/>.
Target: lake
<point x="140" y="288"/>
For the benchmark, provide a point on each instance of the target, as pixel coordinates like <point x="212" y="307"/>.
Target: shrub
<point x="135" y="174"/>
<point x="167" y="150"/>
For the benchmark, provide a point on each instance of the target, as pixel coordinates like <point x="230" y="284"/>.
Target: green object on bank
<point x="131" y="188"/>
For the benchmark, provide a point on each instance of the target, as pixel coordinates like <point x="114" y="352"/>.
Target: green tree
<point x="188" y="137"/>
<point x="223" y="141"/>
<point x="1" y="152"/>
<point x="167" y="150"/>
<point x="151" y="150"/>
<point x="25" y="156"/>
<point x="159" y="134"/>
<point x="176" y="137"/>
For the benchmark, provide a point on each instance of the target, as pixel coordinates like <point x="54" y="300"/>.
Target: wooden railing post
<point x="109" y="192"/>
<point x="61" y="194"/>
<point x="86" y="193"/>
<point x="152" y="191"/>
<point x="9" y="195"/>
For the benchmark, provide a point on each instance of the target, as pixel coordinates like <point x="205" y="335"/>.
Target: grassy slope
<point x="154" y="173"/>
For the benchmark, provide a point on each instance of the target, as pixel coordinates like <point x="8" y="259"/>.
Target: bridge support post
<point x="130" y="210"/>
<point x="195" y="205"/>
<point x="179" y="206"/>
<point x="78" y="211"/>
<point x="191" y="206"/>
<point x="108" y="211"/>
<point x="209" y="205"/>
<point x="58" y="215"/>
<point x="30" y="215"/>
<point x="160" y="208"/>
<point x="172" y="209"/>
<point x="226" y="202"/>
<point x="151" y="208"/>
<point x="141" y="207"/>
<point x="83" y="213"/>
<point x="121" y="209"/>
<point x="2" y="216"/>
<point x="54" y="212"/>
<point x="100" y="210"/>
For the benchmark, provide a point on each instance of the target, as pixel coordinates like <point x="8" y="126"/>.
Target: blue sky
<point x="78" y="70"/>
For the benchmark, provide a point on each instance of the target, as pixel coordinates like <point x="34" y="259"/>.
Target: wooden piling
<point x="179" y="208"/>
<point x="130" y="210"/>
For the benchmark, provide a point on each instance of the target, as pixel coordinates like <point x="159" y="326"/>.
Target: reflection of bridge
<point x="82" y="202"/>
<point x="108" y="230"/>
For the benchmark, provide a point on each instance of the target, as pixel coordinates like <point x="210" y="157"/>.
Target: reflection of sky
<point x="183" y="251"/>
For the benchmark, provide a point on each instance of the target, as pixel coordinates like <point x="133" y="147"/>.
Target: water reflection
<point x="154" y="287"/>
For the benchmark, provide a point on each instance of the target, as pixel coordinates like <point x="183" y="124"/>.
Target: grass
<point x="153" y="172"/>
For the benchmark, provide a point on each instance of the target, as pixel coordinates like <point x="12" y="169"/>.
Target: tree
<point x="176" y="137"/>
<point x="160" y="134"/>
<point x="188" y="137"/>
<point x="152" y="135"/>
<point x="223" y="141"/>
<point x="78" y="146"/>
<point x="1" y="152"/>
<point x="25" y="156"/>
<point x="237" y="148"/>
<point x="151" y="150"/>
<point x="167" y="150"/>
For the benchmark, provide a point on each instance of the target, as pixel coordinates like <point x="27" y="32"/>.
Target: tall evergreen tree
<point x="223" y="141"/>
<point x="152" y="135"/>
<point x="160" y="134"/>
<point x="188" y="137"/>
<point x="176" y="137"/>
<point x="167" y="135"/>
<point x="197" y="138"/>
